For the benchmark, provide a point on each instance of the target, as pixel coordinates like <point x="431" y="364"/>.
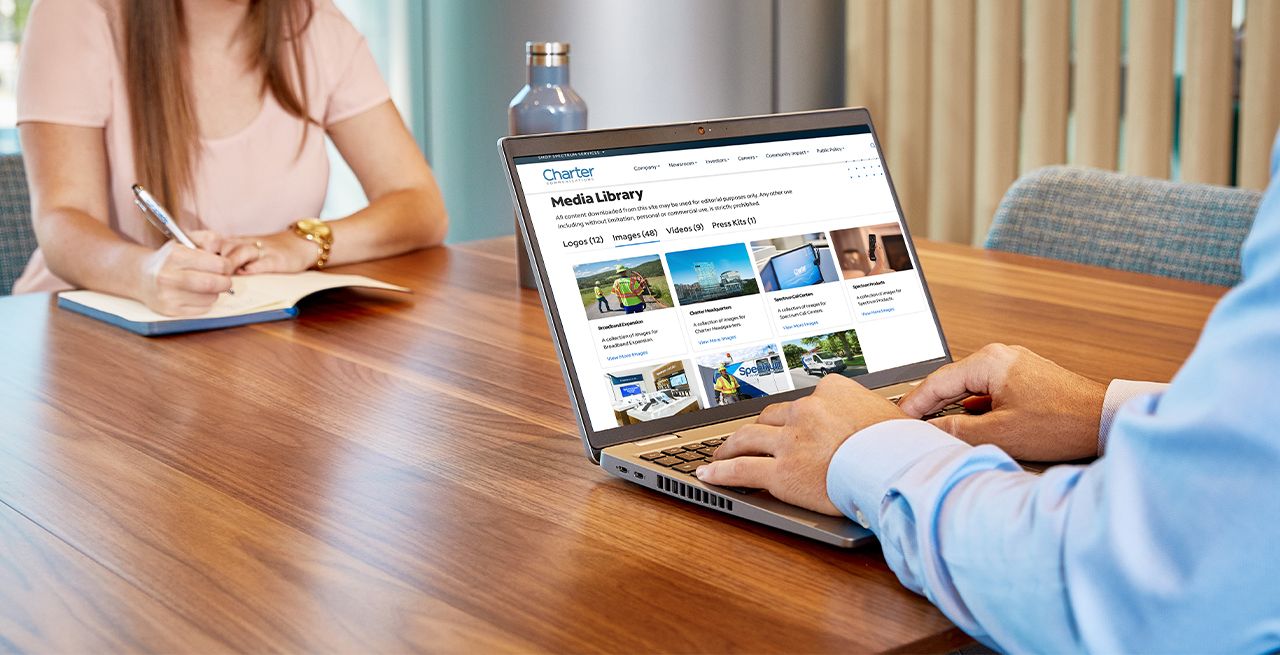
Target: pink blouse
<point x="253" y="182"/>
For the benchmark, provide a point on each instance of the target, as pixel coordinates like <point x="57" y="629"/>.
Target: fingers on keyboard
<point x="686" y="458"/>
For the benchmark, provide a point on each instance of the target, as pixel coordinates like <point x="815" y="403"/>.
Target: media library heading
<point x="599" y="196"/>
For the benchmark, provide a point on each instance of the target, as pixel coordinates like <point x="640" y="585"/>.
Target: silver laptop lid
<point x="694" y="273"/>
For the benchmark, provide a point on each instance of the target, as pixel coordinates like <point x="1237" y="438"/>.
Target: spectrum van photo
<point x="809" y="359"/>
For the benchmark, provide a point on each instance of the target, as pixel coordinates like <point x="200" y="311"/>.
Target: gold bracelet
<point x="318" y="232"/>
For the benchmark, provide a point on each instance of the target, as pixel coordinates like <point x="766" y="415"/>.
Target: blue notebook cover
<point x="177" y="326"/>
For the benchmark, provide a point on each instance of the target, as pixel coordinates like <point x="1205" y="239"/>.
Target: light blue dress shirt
<point x="1170" y="542"/>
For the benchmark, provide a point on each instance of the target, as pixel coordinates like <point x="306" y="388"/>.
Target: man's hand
<point x="1039" y="410"/>
<point x="789" y="447"/>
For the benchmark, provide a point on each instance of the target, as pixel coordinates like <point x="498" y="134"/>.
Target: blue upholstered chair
<point x="1088" y="216"/>
<point x="17" y="239"/>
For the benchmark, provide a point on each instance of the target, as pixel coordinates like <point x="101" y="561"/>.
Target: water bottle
<point x="545" y="104"/>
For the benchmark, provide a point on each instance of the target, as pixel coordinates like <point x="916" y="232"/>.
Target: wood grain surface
<point x="391" y="474"/>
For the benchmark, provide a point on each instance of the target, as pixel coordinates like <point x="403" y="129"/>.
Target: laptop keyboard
<point x="953" y="408"/>
<point x="687" y="458"/>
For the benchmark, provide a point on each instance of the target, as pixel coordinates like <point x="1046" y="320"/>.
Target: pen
<point x="159" y="218"/>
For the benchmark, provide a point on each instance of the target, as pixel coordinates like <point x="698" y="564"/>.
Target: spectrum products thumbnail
<point x="871" y="250"/>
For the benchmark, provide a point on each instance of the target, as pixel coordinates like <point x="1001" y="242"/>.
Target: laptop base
<point x="624" y="462"/>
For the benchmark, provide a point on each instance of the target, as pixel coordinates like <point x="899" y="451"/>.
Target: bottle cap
<point x="546" y="48"/>
<point x="546" y="53"/>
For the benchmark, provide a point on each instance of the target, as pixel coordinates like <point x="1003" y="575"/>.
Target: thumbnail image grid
<point x="714" y="273"/>
<point x="871" y="250"/>
<point x="809" y="359"/>
<point x="649" y="393"/>
<point x="793" y="262"/>
<point x="742" y="374"/>
<point x="623" y="286"/>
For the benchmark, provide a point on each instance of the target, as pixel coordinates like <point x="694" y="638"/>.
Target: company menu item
<point x="698" y="275"/>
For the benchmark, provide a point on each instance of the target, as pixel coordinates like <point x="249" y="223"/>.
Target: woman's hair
<point x="166" y="136"/>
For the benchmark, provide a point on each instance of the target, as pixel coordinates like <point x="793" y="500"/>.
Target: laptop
<point x="671" y="335"/>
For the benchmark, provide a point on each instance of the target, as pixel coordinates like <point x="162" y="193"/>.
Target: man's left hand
<point x="788" y="449"/>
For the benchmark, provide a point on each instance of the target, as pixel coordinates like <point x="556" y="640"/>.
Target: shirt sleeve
<point x="1120" y="392"/>
<point x="1167" y="543"/>
<point x="1275" y="157"/>
<point x="66" y="65"/>
<point x="354" y="84"/>
<point x="918" y="486"/>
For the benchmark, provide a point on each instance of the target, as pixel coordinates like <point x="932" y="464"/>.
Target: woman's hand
<point x="283" y="252"/>
<point x="179" y="281"/>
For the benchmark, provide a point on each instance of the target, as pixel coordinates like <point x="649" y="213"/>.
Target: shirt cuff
<point x="1120" y="392"/>
<point x="868" y="463"/>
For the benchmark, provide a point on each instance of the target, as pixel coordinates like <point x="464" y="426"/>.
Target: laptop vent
<point x="690" y="492"/>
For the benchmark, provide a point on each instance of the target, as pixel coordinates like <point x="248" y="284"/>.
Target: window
<point x="13" y="18"/>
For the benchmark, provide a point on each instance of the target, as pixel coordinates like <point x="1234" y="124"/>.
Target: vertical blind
<point x="968" y="94"/>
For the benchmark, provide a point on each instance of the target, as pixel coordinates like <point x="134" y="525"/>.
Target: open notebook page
<point x="254" y="293"/>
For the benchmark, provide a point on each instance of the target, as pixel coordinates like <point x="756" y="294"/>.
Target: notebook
<point x="258" y="299"/>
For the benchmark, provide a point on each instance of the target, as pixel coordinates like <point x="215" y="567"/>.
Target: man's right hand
<point x="1039" y="410"/>
<point x="179" y="281"/>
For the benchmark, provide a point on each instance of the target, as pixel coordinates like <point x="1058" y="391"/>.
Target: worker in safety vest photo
<point x="726" y="387"/>
<point x="629" y="289"/>
<point x="602" y="302"/>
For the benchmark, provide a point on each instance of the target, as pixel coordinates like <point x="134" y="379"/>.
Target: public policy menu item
<point x="719" y="272"/>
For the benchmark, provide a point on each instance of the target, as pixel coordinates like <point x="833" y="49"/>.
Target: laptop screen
<point x="694" y="275"/>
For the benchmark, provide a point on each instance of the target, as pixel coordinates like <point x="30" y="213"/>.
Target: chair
<point x="17" y="238"/>
<point x="1183" y="231"/>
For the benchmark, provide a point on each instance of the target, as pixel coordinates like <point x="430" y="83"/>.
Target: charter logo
<point x="562" y="175"/>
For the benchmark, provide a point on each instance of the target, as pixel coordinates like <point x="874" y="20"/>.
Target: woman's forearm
<point x="86" y="253"/>
<point x="393" y="224"/>
<point x="406" y="210"/>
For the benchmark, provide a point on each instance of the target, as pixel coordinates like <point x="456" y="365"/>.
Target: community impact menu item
<point x="258" y="299"/>
<point x="696" y="275"/>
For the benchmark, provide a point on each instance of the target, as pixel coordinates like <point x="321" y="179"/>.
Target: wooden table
<point x="386" y="475"/>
